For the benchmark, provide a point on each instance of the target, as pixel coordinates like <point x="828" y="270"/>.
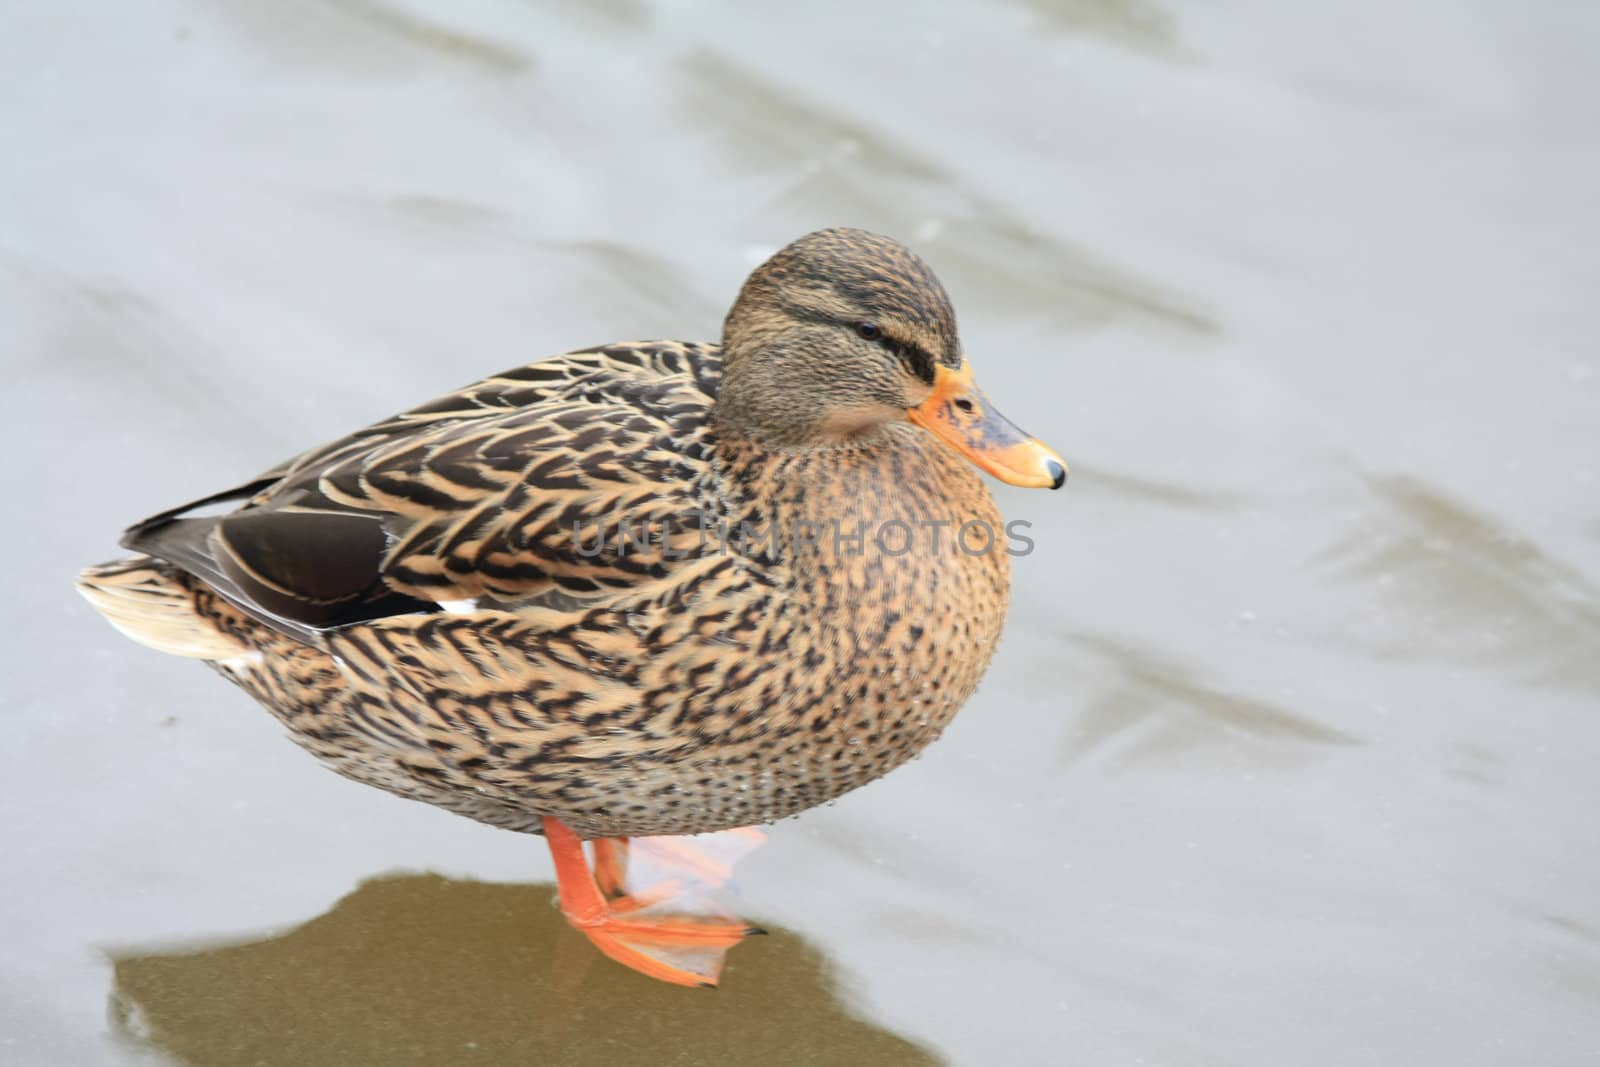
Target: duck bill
<point x="960" y="415"/>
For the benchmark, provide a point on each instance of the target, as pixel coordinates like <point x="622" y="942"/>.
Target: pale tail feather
<point x="150" y="604"/>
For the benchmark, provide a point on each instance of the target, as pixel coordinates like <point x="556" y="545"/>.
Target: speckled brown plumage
<point x="421" y="603"/>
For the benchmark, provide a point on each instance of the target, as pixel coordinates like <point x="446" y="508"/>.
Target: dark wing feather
<point x="499" y="491"/>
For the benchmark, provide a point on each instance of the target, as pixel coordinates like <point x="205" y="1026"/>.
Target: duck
<point x="636" y="590"/>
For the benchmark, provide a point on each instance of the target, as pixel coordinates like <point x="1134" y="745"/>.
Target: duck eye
<point x="869" y="331"/>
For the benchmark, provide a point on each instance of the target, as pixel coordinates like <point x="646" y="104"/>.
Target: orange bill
<point x="960" y="415"/>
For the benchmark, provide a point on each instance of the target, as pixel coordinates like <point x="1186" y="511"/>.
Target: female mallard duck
<point x="650" y="588"/>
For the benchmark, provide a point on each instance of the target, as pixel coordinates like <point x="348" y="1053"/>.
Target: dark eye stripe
<point x="917" y="358"/>
<point x="914" y="356"/>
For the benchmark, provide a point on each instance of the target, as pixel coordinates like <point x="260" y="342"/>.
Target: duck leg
<point x="611" y="865"/>
<point x="682" y="949"/>
<point x="705" y="861"/>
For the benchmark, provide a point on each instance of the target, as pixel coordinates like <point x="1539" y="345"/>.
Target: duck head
<point x="846" y="332"/>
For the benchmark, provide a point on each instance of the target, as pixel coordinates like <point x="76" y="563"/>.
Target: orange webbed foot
<point x="639" y="930"/>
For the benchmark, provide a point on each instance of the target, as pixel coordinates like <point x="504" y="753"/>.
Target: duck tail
<point x="152" y="603"/>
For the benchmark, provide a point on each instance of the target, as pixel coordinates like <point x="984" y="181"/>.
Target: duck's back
<point x="476" y="495"/>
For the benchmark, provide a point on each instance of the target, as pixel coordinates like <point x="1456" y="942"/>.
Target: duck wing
<point x="514" y="491"/>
